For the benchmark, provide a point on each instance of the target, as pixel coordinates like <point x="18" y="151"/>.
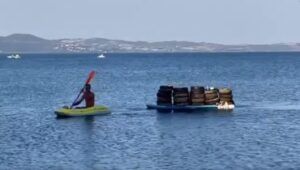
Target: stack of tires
<point x="226" y="96"/>
<point x="212" y="96"/>
<point x="197" y="96"/>
<point x="164" y="95"/>
<point x="181" y="96"/>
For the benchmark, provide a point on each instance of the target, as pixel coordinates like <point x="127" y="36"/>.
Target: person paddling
<point x="88" y="96"/>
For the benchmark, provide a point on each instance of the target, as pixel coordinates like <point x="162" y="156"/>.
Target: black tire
<point x="181" y="95"/>
<point x="212" y="100"/>
<point x="225" y="91"/>
<point x="210" y="96"/>
<point x="225" y="95"/>
<point x="164" y="95"/>
<point x="182" y="99"/>
<point x="182" y="89"/>
<point x="209" y="92"/>
<point x="211" y="103"/>
<point x="196" y="92"/>
<point x="197" y="100"/>
<point x="197" y="95"/>
<point x="165" y="91"/>
<point x="178" y="97"/>
<point x="163" y="87"/>
<point x="160" y="99"/>
<point x="199" y="89"/>
<point x="215" y="90"/>
<point x="226" y="99"/>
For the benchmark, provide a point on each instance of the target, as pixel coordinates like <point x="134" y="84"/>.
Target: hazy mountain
<point x="26" y="43"/>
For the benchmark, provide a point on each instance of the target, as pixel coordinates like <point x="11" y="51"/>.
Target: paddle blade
<point x="91" y="76"/>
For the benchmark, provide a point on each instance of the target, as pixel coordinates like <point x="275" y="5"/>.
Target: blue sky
<point x="217" y="21"/>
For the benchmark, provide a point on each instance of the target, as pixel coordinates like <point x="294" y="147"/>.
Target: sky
<point x="215" y="21"/>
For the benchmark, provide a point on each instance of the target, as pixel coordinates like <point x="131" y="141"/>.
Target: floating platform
<point x="190" y="108"/>
<point x="181" y="108"/>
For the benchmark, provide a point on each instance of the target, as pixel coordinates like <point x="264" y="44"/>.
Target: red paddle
<point x="89" y="79"/>
<point x="91" y="76"/>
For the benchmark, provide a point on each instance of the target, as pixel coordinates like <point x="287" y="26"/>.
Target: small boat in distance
<point x="101" y="56"/>
<point x="14" y="56"/>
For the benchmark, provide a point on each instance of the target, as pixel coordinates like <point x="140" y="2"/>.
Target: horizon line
<point x="117" y="39"/>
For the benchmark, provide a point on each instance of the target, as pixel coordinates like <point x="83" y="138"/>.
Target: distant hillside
<point x="26" y="43"/>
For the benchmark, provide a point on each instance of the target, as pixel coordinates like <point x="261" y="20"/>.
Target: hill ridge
<point x="22" y="43"/>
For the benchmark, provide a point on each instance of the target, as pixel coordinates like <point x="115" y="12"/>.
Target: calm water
<point x="263" y="132"/>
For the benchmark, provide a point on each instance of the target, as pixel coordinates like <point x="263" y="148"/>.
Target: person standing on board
<point x="88" y="96"/>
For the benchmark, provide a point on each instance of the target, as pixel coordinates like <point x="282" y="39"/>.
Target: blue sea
<point x="263" y="132"/>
